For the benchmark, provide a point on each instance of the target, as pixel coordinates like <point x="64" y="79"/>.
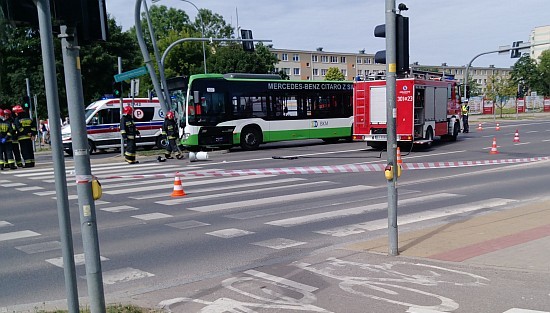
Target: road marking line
<point x="306" y="219"/>
<point x="40" y="247"/>
<point x="278" y="243"/>
<point x="187" y="224"/>
<point x="30" y="188"/>
<point x="151" y="216"/>
<point x="18" y="235"/>
<point x="230" y="233"/>
<point x="279" y="199"/>
<point x="242" y="192"/>
<point x="123" y="275"/>
<point x="120" y="208"/>
<point x="79" y="259"/>
<point x="281" y="280"/>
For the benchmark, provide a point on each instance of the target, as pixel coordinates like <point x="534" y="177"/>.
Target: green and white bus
<point x="249" y="109"/>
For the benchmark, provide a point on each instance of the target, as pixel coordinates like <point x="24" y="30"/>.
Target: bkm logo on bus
<point x="319" y="123"/>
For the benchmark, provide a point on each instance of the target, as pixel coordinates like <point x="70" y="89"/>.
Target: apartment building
<point x="313" y="65"/>
<point x="539" y="34"/>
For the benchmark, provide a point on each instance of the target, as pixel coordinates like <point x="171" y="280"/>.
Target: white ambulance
<point x="103" y="124"/>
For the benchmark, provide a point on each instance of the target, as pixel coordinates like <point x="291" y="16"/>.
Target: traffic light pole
<point x="121" y="107"/>
<point x="83" y="172"/>
<point x="52" y="100"/>
<point x="391" y="114"/>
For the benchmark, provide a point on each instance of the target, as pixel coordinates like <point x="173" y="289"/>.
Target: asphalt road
<point x="151" y="243"/>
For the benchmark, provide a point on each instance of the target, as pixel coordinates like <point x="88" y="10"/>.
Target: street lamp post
<point x="202" y="30"/>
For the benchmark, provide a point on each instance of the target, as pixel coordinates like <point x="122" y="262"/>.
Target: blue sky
<point x="440" y="31"/>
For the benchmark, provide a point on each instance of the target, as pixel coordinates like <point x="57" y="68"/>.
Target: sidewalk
<point x="516" y="238"/>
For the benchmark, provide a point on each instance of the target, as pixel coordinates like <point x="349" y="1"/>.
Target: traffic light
<point x="119" y="87"/>
<point x="514" y="53"/>
<point x="401" y="43"/>
<point x="20" y="12"/>
<point x="247" y="45"/>
<point x="26" y="103"/>
<point x="88" y="16"/>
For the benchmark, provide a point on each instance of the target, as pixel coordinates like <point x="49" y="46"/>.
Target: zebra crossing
<point x="249" y="198"/>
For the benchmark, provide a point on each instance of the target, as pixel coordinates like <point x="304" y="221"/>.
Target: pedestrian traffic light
<point x="88" y="16"/>
<point x="247" y="45"/>
<point x="514" y="53"/>
<point x="26" y="103"/>
<point x="401" y="43"/>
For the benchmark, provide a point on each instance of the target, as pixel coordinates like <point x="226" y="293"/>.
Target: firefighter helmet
<point x="170" y="115"/>
<point x="7" y="113"/>
<point x="17" y="109"/>
<point x="127" y="110"/>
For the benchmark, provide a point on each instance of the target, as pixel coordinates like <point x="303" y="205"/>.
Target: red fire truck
<point x="425" y="108"/>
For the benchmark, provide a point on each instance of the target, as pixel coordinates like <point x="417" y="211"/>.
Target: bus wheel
<point x="250" y="138"/>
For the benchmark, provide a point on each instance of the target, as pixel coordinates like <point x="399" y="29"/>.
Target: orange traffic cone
<point x="479" y="127"/>
<point x="516" y="136"/>
<point x="399" y="161"/>
<point x="178" y="188"/>
<point x="494" y="147"/>
<point x="498" y="127"/>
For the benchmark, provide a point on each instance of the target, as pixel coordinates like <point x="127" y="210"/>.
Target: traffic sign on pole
<point x="131" y="74"/>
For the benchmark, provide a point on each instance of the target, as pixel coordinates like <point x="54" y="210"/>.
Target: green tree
<point x="232" y="58"/>
<point x="333" y="73"/>
<point x="499" y="90"/>
<point x="543" y="69"/>
<point x="525" y="73"/>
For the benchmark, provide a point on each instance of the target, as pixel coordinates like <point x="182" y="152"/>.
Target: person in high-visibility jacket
<point x="170" y="130"/>
<point x="6" y="152"/>
<point x="26" y="132"/>
<point x="129" y="132"/>
<point x="465" y="110"/>
<point x="14" y="139"/>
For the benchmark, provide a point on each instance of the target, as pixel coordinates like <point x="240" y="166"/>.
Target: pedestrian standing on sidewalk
<point x="129" y="132"/>
<point x="26" y="132"/>
<point x="465" y="111"/>
<point x="170" y="130"/>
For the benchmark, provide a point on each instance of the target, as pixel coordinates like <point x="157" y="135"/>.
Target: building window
<point x="324" y="72"/>
<point x="344" y="72"/>
<point x="367" y="61"/>
<point x="324" y="58"/>
<point x="284" y="57"/>
<point x="333" y="59"/>
<point x="360" y="72"/>
<point x="286" y="70"/>
<point x="296" y="71"/>
<point x="276" y="55"/>
<point x="314" y="58"/>
<point x="307" y="64"/>
<point x="359" y="60"/>
<point x="342" y="59"/>
<point x="295" y="57"/>
<point x="315" y="72"/>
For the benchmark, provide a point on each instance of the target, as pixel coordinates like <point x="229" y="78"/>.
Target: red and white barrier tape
<point x="333" y="169"/>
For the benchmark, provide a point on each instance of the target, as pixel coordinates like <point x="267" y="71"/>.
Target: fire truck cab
<point x="425" y="108"/>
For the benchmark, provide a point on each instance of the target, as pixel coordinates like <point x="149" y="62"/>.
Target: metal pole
<point x="391" y="112"/>
<point x="121" y="105"/>
<point x="202" y="32"/>
<point x="29" y="95"/>
<point x="52" y="100"/>
<point x="83" y="172"/>
<point x="35" y="101"/>
<point x="156" y="52"/>
<point x="146" y="57"/>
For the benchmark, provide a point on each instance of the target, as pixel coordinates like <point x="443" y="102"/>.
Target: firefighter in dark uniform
<point x="5" y="143"/>
<point x="129" y="132"/>
<point x="14" y="139"/>
<point x="26" y="131"/>
<point x="170" y="130"/>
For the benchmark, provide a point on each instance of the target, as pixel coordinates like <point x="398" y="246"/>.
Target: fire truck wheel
<point x="429" y="137"/>
<point x="456" y="130"/>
